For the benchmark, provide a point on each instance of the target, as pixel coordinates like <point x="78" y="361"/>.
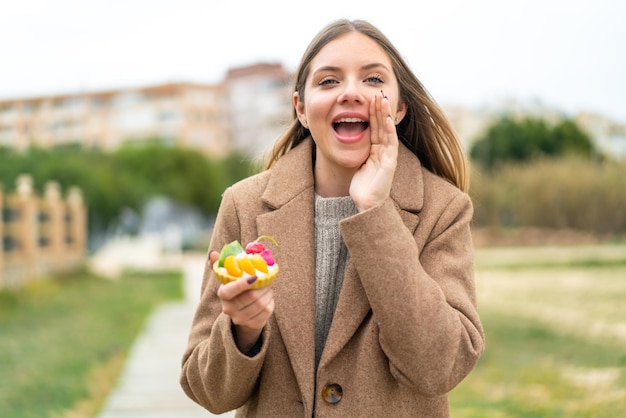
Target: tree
<point x="519" y="140"/>
<point x="112" y="182"/>
<point x="572" y="139"/>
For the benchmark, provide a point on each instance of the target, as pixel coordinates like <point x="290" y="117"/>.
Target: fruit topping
<point x="232" y="267"/>
<point x="245" y="263"/>
<point x="259" y="263"/>
<point x="255" y="259"/>
<point x="254" y="247"/>
<point x="233" y="248"/>
<point x="267" y="256"/>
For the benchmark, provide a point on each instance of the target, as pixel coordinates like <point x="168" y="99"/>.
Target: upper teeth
<point x="349" y="120"/>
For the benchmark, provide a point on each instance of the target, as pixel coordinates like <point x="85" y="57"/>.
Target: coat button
<point x="332" y="393"/>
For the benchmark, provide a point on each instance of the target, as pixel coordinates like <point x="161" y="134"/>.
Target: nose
<point x="352" y="91"/>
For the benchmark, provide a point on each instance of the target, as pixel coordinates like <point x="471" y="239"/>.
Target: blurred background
<point x="121" y="123"/>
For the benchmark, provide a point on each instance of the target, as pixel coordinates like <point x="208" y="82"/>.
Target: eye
<point x="327" y="81"/>
<point x="375" y="79"/>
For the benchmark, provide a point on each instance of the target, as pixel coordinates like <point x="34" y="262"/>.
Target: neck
<point x="332" y="182"/>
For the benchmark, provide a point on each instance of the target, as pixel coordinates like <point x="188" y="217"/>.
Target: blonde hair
<point x="425" y="129"/>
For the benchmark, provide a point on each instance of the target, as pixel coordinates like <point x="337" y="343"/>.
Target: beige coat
<point x="406" y="329"/>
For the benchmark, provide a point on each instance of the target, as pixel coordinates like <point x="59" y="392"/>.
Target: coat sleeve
<point x="421" y="290"/>
<point x="215" y="374"/>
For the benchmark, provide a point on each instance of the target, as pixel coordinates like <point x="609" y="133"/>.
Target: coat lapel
<point x="353" y="305"/>
<point x="290" y="192"/>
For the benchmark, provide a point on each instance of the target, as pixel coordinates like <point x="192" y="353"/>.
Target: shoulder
<point x="250" y="185"/>
<point x="444" y="204"/>
<point x="417" y="189"/>
<point x="244" y="197"/>
<point x="289" y="175"/>
<point x="436" y="187"/>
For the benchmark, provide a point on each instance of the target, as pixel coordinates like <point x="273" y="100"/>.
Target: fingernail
<point x="251" y="280"/>
<point x="383" y="93"/>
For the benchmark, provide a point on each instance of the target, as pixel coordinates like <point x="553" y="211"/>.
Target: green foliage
<point x="519" y="140"/>
<point x="570" y="139"/>
<point x="182" y="174"/>
<point x="128" y="177"/>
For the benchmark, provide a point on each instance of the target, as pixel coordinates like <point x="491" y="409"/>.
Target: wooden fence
<point x="41" y="236"/>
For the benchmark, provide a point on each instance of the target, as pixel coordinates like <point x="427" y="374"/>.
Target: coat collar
<point x="407" y="189"/>
<point x="293" y="174"/>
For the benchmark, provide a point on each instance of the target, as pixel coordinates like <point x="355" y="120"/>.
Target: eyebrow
<point x="365" y="67"/>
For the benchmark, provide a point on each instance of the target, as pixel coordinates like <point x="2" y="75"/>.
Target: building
<point x="609" y="135"/>
<point x="192" y="115"/>
<point x="247" y="111"/>
<point x="260" y="105"/>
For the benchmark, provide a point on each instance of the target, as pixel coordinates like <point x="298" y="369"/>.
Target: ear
<point x="299" y="106"/>
<point x="400" y="114"/>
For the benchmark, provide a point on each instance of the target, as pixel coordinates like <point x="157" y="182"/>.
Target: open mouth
<point x="350" y="127"/>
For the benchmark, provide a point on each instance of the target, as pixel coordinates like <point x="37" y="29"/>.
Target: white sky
<point x="570" y="54"/>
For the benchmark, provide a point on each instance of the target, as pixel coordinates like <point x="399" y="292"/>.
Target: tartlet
<point x="237" y="262"/>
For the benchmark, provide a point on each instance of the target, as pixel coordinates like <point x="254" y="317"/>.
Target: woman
<point x="374" y="309"/>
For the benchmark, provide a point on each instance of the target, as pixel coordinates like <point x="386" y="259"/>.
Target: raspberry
<point x="254" y="247"/>
<point x="267" y="256"/>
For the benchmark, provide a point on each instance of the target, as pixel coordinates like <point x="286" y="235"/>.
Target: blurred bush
<point x="571" y="192"/>
<point x="514" y="139"/>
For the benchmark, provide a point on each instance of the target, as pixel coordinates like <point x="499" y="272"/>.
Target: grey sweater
<point x="331" y="259"/>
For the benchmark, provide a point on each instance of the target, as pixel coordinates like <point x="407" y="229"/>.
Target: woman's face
<point x="344" y="77"/>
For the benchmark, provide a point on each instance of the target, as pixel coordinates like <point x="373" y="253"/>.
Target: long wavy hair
<point x="425" y="129"/>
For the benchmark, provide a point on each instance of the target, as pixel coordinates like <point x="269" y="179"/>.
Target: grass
<point x="64" y="340"/>
<point x="556" y="334"/>
<point x="553" y="316"/>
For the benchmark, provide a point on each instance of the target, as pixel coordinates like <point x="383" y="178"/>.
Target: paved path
<point x="148" y="386"/>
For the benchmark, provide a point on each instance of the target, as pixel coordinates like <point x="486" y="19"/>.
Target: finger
<point x="254" y="297"/>
<point x="390" y="135"/>
<point x="213" y="257"/>
<point x="386" y="118"/>
<point x="257" y="313"/>
<point x="250" y="308"/>
<point x="233" y="289"/>
<point x="259" y="321"/>
<point x="390" y="129"/>
<point x="380" y="118"/>
<point x="374" y="122"/>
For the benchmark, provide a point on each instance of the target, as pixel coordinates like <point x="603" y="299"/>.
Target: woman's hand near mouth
<point x="371" y="184"/>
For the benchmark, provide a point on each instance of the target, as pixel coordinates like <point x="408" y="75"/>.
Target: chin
<point x="353" y="160"/>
